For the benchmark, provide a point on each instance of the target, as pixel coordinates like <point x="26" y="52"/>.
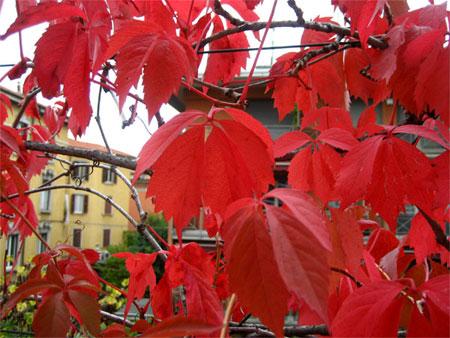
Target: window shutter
<point x="72" y="203"/>
<point x="77" y="238"/>
<point x="108" y="207"/>
<point x="86" y="203"/>
<point x="104" y="175"/>
<point x="106" y="237"/>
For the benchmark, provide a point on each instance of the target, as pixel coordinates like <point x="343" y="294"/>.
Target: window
<point x="79" y="204"/>
<point x="80" y="172"/>
<point x="12" y="248"/>
<point x="108" y="207"/>
<point x="77" y="238"/>
<point x="106" y="237"/>
<point x="405" y="218"/>
<point x="109" y="176"/>
<point x="45" y="195"/>
<point x="41" y="246"/>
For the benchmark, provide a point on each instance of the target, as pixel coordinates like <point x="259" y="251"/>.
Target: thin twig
<point x="250" y="49"/>
<point x="116" y="319"/>
<point x="346" y="274"/>
<point x="229" y="92"/>
<point x="25" y="103"/>
<point x="226" y="318"/>
<point x="99" y="124"/>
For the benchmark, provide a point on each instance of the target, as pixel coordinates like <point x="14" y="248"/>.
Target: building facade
<point x="69" y="216"/>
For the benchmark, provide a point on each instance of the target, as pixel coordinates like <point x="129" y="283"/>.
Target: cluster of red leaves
<point x="285" y="248"/>
<point x="68" y="288"/>
<point x="413" y="67"/>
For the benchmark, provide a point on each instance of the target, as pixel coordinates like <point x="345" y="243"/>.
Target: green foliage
<point x="113" y="269"/>
<point x="19" y="320"/>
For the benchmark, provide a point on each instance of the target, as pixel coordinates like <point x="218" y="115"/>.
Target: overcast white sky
<point x="132" y="138"/>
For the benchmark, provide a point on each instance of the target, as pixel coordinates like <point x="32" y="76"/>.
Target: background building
<point x="75" y="217"/>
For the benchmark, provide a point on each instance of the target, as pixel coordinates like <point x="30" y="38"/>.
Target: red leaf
<point x="384" y="63"/>
<point x="52" y="57"/>
<point x="422" y="238"/>
<point x="5" y="107"/>
<point x="43" y="12"/>
<point x="179" y="196"/>
<point x="338" y="138"/>
<point x="313" y="36"/>
<point x="223" y="67"/>
<point x="52" y="318"/>
<point x="434" y="321"/>
<point x="250" y="236"/>
<point x="386" y="173"/>
<point x="114" y="331"/>
<point x="357" y="167"/>
<point x="140" y="267"/>
<point x="77" y="86"/>
<point x="181" y="326"/>
<point x="226" y="161"/>
<point x="289" y="142"/>
<point x="367" y="123"/>
<point x="381" y="242"/>
<point x="247" y="241"/>
<point x="27" y="209"/>
<point x="88" y="310"/>
<point x="347" y="241"/>
<point x="18" y="70"/>
<point x="325" y="118"/>
<point x="361" y="86"/>
<point x="159" y="142"/>
<point x="363" y="15"/>
<point x="300" y="258"/>
<point x="305" y="210"/>
<point x="191" y="267"/>
<point x="441" y="178"/>
<point x="165" y="60"/>
<point x="422" y="131"/>
<point x="315" y="172"/>
<point x="26" y="289"/>
<point x="370" y="311"/>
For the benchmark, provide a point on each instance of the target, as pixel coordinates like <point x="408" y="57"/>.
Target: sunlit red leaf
<point x="142" y="276"/>
<point x="226" y="161"/>
<point x="181" y="326"/>
<point x="370" y="311"/>
<point x="44" y="12"/>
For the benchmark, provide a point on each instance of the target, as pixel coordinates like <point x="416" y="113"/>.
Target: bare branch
<point x="24" y="106"/>
<point x="116" y="319"/>
<point x="289" y="331"/>
<point x="128" y="162"/>
<point x="318" y="26"/>
<point x="219" y="10"/>
<point x="297" y="10"/>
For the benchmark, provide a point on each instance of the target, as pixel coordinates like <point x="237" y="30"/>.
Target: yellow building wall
<point x="59" y="222"/>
